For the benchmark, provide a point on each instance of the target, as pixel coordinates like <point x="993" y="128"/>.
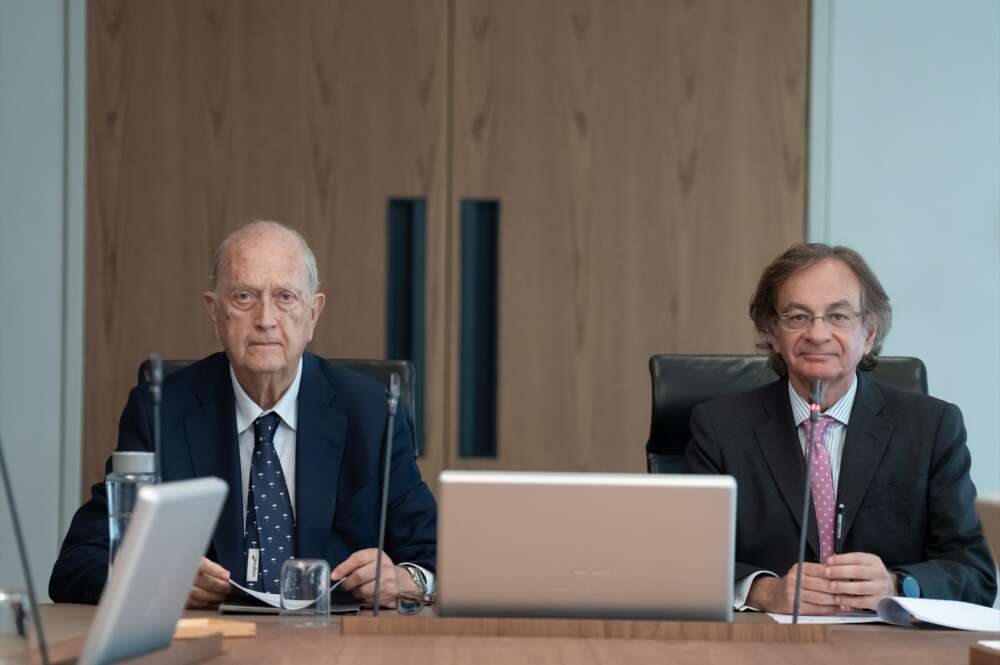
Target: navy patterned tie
<point x="270" y="527"/>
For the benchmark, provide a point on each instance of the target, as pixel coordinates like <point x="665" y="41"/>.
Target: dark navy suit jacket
<point x="904" y="482"/>
<point x="342" y="417"/>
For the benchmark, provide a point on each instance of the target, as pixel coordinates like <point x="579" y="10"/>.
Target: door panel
<point x="648" y="159"/>
<point x="205" y="115"/>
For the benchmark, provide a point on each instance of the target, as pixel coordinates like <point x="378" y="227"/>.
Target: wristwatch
<point x="417" y="576"/>
<point x="907" y="585"/>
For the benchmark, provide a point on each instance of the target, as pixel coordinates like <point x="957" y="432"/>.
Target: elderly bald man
<point x="265" y="409"/>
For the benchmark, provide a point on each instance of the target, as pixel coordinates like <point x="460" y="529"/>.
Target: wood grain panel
<point x="649" y="160"/>
<point x="205" y="115"/>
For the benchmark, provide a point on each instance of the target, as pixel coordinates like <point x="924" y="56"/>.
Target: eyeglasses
<point x="839" y="320"/>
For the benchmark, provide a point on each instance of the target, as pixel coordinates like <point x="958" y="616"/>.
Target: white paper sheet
<point x="850" y="617"/>
<point x="948" y="613"/>
<point x="274" y="599"/>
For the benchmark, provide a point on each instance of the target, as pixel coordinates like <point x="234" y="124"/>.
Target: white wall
<point x="41" y="273"/>
<point x="905" y="167"/>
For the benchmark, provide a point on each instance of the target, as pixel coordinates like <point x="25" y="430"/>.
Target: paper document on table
<point x="847" y="617"/>
<point x="948" y="613"/>
<point x="273" y="599"/>
<point x="901" y="611"/>
<point x="248" y="601"/>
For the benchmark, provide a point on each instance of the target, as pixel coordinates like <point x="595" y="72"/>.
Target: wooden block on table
<point x="200" y="627"/>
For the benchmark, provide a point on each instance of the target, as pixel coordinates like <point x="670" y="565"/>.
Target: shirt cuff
<point x="742" y="589"/>
<point x="428" y="575"/>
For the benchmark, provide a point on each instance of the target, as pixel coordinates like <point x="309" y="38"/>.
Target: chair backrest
<point x="377" y="369"/>
<point x="681" y="382"/>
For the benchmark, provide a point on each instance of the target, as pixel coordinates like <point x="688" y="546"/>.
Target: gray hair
<point x="875" y="306"/>
<point x="258" y="227"/>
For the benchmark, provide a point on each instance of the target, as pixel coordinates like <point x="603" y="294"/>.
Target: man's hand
<point x="859" y="580"/>
<point x="777" y="594"/>
<point x="211" y="586"/>
<point x="358" y="575"/>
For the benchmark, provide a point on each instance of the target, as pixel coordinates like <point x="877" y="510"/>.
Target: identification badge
<point x="253" y="564"/>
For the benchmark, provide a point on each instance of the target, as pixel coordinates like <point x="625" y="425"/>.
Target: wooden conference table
<point x="399" y="640"/>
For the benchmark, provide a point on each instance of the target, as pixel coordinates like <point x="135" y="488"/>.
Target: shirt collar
<point x="841" y="411"/>
<point x="247" y="410"/>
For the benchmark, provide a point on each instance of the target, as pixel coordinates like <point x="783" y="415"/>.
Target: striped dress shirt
<point x="834" y="440"/>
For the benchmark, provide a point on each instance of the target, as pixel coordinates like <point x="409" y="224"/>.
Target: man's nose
<point x="818" y="330"/>
<point x="267" y="313"/>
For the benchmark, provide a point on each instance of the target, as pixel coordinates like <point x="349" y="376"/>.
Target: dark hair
<point x="875" y="305"/>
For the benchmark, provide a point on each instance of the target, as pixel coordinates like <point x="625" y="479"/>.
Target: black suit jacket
<point x="904" y="482"/>
<point x="342" y="419"/>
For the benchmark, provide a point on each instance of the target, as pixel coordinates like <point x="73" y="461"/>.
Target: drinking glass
<point x="305" y="592"/>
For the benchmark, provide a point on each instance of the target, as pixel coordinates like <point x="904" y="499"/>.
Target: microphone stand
<point x="390" y="426"/>
<point x="815" y="405"/>
<point x="156" y="393"/>
<point x="22" y="551"/>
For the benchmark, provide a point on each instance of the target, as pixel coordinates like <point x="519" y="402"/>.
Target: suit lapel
<point x="319" y="447"/>
<point x="782" y="451"/>
<point x="867" y="439"/>
<point x="211" y="435"/>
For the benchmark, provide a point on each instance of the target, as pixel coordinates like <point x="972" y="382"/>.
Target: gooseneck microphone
<point x="23" y="553"/>
<point x="815" y="406"/>
<point x="390" y="426"/>
<point x="156" y="393"/>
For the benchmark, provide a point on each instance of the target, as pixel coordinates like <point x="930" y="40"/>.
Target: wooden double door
<point x="643" y="160"/>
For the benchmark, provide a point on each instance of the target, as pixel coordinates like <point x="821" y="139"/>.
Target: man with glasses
<point x="891" y="467"/>
<point x="299" y="440"/>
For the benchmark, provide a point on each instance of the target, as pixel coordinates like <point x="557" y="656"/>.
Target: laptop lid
<point x="154" y="569"/>
<point x="586" y="545"/>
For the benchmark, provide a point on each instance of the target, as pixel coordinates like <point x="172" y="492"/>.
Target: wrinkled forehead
<point x="265" y="259"/>
<point x="828" y="284"/>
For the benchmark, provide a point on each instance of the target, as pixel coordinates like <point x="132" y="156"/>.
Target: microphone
<point x="23" y="553"/>
<point x="815" y="406"/>
<point x="155" y="378"/>
<point x="390" y="426"/>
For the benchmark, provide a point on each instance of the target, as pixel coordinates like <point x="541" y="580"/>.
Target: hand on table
<point x="859" y="580"/>
<point x="357" y="573"/>
<point x="777" y="594"/>
<point x="210" y="587"/>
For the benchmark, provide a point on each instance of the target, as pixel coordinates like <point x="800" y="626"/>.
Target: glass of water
<point x="130" y="472"/>
<point x="13" y="616"/>
<point x="305" y="592"/>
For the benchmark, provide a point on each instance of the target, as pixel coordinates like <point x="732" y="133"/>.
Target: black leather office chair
<point x="681" y="382"/>
<point x="380" y="370"/>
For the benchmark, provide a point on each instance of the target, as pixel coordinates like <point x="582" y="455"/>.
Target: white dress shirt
<point x="287" y="409"/>
<point x="247" y="411"/>
<point x="833" y="441"/>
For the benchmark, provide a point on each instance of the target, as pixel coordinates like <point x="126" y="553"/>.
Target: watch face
<point x="911" y="588"/>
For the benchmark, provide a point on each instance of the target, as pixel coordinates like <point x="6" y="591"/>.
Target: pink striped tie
<point x="822" y="486"/>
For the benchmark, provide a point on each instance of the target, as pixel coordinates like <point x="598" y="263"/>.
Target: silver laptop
<point x="154" y="569"/>
<point x="586" y="545"/>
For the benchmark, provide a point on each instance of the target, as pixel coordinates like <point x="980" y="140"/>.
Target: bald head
<point x="264" y="306"/>
<point x="265" y="231"/>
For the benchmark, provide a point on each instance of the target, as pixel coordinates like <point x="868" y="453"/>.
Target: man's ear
<point x="315" y="309"/>
<point x="212" y="307"/>
<point x="870" y="337"/>
<point x="769" y="338"/>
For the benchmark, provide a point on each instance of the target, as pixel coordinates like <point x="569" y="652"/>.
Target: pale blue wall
<point x="905" y="167"/>
<point x="41" y="273"/>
